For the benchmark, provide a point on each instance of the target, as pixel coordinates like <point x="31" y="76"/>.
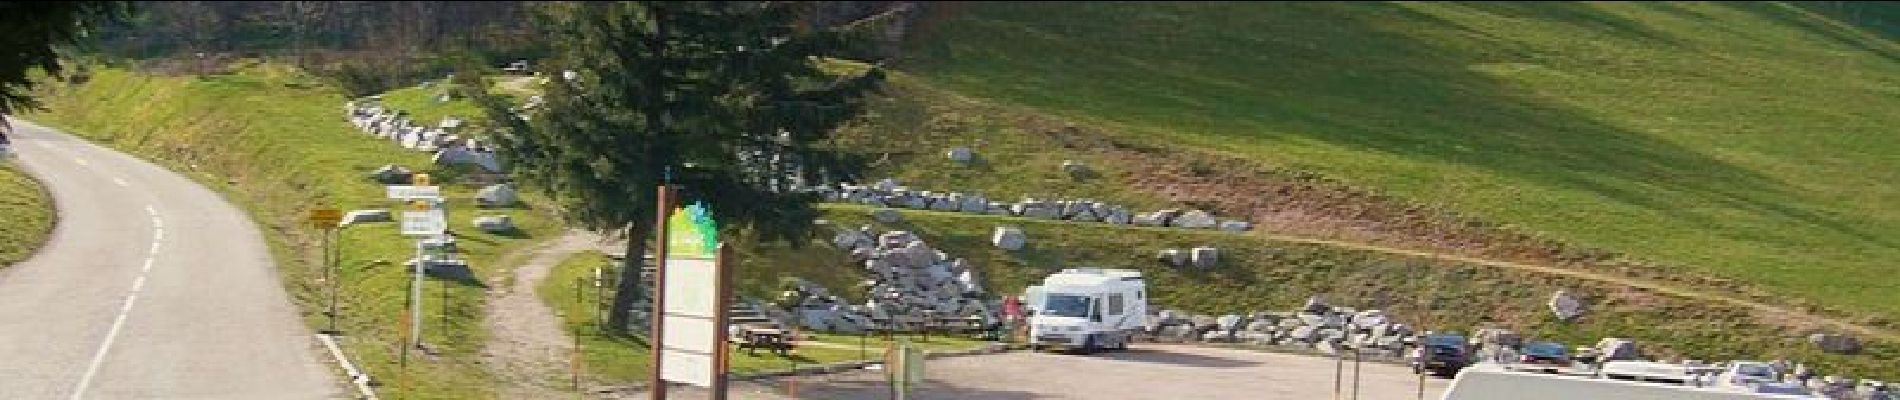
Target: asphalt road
<point x="151" y="287"/>
<point x="1147" y="371"/>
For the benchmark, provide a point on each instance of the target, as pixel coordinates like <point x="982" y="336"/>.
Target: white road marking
<point x="120" y="182"/>
<point x="42" y="144"/>
<point x="81" y="161"/>
<point x="125" y="310"/>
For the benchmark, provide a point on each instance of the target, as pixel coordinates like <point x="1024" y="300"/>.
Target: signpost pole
<point x="1356" y="355"/>
<point x="722" y="287"/>
<point x="663" y="206"/>
<point x="415" y="299"/>
<point x="326" y="220"/>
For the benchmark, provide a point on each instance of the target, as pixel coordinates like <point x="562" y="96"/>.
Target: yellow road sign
<point x="325" y="217"/>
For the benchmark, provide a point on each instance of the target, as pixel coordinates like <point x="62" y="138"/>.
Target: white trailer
<point x="1087" y="309"/>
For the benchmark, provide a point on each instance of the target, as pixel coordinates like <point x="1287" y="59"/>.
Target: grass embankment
<point x="275" y="142"/>
<point x="1746" y="140"/>
<point x="616" y="360"/>
<point x="1257" y="274"/>
<point x="28" y="214"/>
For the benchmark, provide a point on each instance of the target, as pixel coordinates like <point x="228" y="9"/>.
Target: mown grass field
<point x="1747" y="140"/>
<point x="275" y="142"/>
<point x="28" y="214"/>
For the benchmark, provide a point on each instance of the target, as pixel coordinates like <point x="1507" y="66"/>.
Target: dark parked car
<point x="1544" y="356"/>
<point x="1442" y="354"/>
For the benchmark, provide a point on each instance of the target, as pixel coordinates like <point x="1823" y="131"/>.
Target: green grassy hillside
<point x="275" y="142"/>
<point x="1747" y="140"/>
<point x="28" y="215"/>
<point x="1261" y="274"/>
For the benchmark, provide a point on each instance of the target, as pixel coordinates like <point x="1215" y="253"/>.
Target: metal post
<point x="445" y="311"/>
<point x="1421" y="384"/>
<point x="576" y="367"/>
<point x="335" y="274"/>
<point x="1339" y="373"/>
<point x="415" y="298"/>
<point x="1356" y="355"/>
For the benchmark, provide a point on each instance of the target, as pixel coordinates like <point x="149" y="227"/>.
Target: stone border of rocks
<point x="888" y="193"/>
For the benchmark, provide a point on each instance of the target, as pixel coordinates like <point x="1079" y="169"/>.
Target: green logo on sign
<point x="691" y="233"/>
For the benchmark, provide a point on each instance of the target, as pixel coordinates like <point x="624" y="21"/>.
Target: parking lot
<point x="1148" y="371"/>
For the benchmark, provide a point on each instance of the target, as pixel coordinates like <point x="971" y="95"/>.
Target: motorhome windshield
<point x="1066" y="305"/>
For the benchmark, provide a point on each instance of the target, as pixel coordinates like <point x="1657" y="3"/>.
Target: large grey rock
<point x="960" y="154"/>
<point x="999" y="208"/>
<point x="1204" y="257"/>
<point x="952" y="202"/>
<point x="1118" y="215"/>
<point x="1235" y="226"/>
<point x="973" y="203"/>
<point x="886" y="215"/>
<point x="1149" y="219"/>
<point x="885" y="185"/>
<point x="1037" y="209"/>
<point x="1173" y="257"/>
<point x="391" y="175"/>
<point x="1196" y="219"/>
<point x="1835" y="343"/>
<point x="1565" y="306"/>
<point x="500" y="195"/>
<point x="851" y="239"/>
<point x="1008" y="238"/>
<point x="1074" y="168"/>
<point x="366" y="216"/>
<point x="495" y="223"/>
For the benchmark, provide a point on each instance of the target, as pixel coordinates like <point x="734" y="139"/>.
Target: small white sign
<point x="424" y="223"/>
<point x="689" y="289"/>
<point x="408" y="192"/>
<point x="688" y="368"/>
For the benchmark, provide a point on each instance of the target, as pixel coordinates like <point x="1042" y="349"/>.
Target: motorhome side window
<point x="1115" y="304"/>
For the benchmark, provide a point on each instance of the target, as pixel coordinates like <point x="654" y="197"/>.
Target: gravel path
<point x="528" y="351"/>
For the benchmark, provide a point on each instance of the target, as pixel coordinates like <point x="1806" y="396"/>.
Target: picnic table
<point x="775" y="340"/>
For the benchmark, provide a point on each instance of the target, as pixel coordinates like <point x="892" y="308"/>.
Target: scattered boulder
<point x="501" y="195"/>
<point x="1835" y="343"/>
<point x="1149" y="219"/>
<point x="495" y="223"/>
<point x="1565" y="306"/>
<point x="960" y="154"/>
<point x="366" y="216"/>
<point x="1205" y="257"/>
<point x="1173" y="257"/>
<point x="1008" y="238"/>
<point x="852" y="239"/>
<point x="1235" y="226"/>
<point x="1075" y="168"/>
<point x="886" y="215"/>
<point x="953" y="202"/>
<point x="391" y="175"/>
<point x="1196" y="219"/>
<point x="971" y="203"/>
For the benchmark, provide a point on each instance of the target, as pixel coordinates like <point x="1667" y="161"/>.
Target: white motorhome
<point x="1087" y="309"/>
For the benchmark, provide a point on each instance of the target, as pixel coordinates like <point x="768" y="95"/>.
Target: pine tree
<point x="30" y="32"/>
<point x="727" y="100"/>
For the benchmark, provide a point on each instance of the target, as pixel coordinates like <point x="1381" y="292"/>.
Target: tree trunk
<point x="628" y="290"/>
